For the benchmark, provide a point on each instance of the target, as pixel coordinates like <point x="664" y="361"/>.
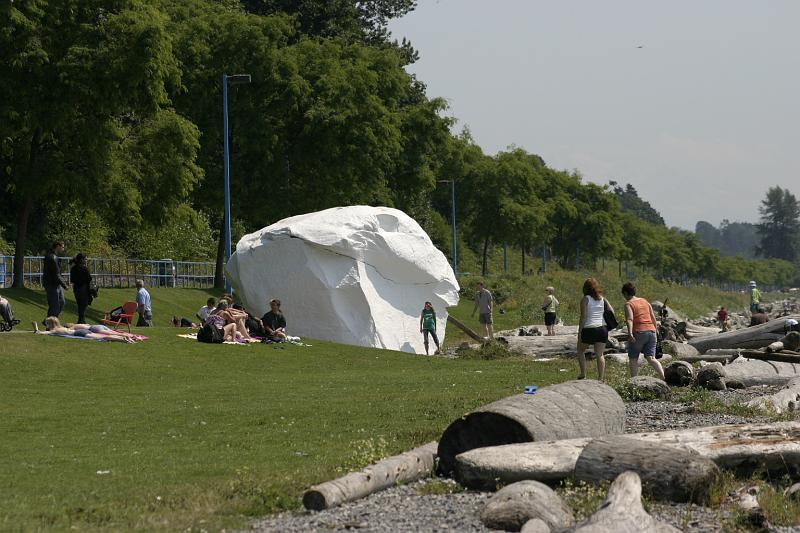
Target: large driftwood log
<point x="622" y="358"/>
<point x="741" y="448"/>
<point x="567" y="410"/>
<point x="409" y="466"/>
<point x="693" y="331"/>
<point x="622" y="511"/>
<point x="679" y="350"/>
<point x="791" y="342"/>
<point x="778" y="357"/>
<point x="667" y="472"/>
<point x="513" y="506"/>
<point x="463" y="327"/>
<point x="754" y="372"/>
<point x="544" y="345"/>
<point x="786" y="399"/>
<point x="679" y="374"/>
<point x="751" y="338"/>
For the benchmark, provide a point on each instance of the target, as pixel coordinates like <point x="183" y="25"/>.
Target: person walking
<point x="592" y="329"/>
<point x="484" y="304"/>
<point x="722" y="316"/>
<point x="145" y="308"/>
<point x="52" y="281"/>
<point x="755" y="297"/>
<point x="81" y="285"/>
<point x="641" y="321"/>
<point x="427" y="326"/>
<point x="549" y="306"/>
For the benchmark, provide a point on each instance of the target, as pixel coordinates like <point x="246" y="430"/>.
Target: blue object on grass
<point x="531" y="389"/>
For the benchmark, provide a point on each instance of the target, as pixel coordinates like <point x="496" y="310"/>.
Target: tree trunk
<point x="679" y="374"/>
<point x="786" y="399"/>
<point x="219" y="274"/>
<point x="668" y="473"/>
<point x="751" y="338"/>
<point x="567" y="410"/>
<point x="19" y="245"/>
<point x="523" y="258"/>
<point x="779" y="357"/>
<point x="790" y="341"/>
<point x="460" y="325"/>
<point x="485" y="265"/>
<point x="742" y="448"/>
<point x="542" y="345"/>
<point x="622" y="511"/>
<point x="513" y="506"/>
<point x="754" y="372"/>
<point x="409" y="466"/>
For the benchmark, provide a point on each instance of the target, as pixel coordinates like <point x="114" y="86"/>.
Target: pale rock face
<point x="355" y="275"/>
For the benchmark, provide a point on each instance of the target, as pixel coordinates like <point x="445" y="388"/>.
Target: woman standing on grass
<point x="427" y="326"/>
<point x="592" y="327"/>
<point x="641" y="322"/>
<point x="549" y="307"/>
<point x="81" y="282"/>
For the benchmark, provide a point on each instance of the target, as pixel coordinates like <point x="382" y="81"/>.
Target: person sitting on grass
<point x="54" y="327"/>
<point x="233" y="316"/>
<point x="206" y="310"/>
<point x="183" y="323"/>
<point x="6" y="313"/>
<point x="427" y="326"/>
<point x="230" y="331"/>
<point x="274" y="322"/>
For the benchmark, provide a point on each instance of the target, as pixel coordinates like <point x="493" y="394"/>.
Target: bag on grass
<point x="608" y="316"/>
<point x="210" y="334"/>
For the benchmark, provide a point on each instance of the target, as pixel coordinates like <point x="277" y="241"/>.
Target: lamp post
<point x="453" y="220"/>
<point x="235" y="79"/>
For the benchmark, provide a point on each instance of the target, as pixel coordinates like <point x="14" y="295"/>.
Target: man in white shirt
<point x="206" y="310"/>
<point x="145" y="308"/>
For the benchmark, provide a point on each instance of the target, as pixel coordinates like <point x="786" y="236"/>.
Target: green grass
<point x="172" y="434"/>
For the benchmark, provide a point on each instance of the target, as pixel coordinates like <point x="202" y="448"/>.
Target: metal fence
<point x="118" y="272"/>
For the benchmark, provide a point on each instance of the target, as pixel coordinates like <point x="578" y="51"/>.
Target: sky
<point x="693" y="102"/>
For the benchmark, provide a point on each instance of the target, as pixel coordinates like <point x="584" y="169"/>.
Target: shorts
<point x="645" y="344"/>
<point x="81" y="332"/>
<point x="594" y="335"/>
<point x="549" y="319"/>
<point x="99" y="328"/>
<point x="485" y="318"/>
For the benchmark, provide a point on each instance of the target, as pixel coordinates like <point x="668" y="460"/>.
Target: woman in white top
<point x="592" y="328"/>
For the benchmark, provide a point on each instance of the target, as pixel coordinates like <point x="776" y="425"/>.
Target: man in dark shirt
<point x="274" y="322"/>
<point x="52" y="281"/>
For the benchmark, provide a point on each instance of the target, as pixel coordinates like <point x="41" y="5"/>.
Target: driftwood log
<point x="712" y="377"/>
<point x="679" y="374"/>
<point x="754" y="372"/>
<point x="790" y="341"/>
<point x="667" y="472"/>
<point x="513" y="506"/>
<point x="786" y="399"/>
<point x="750" y="338"/>
<point x="622" y="358"/>
<point x="544" y="345"/>
<point x="651" y="387"/>
<point x="679" y="350"/>
<point x="742" y="448"/>
<point x="622" y="511"/>
<point x="693" y="331"/>
<point x="409" y="466"/>
<point x="585" y="408"/>
<point x="777" y="357"/>
<point x="466" y="329"/>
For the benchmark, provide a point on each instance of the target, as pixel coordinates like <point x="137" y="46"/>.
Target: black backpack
<point x="210" y="334"/>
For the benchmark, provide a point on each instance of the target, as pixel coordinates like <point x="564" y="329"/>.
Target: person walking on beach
<point x="52" y="281"/>
<point x="592" y="329"/>
<point x="755" y="297"/>
<point x="427" y="326"/>
<point x="484" y="304"/>
<point x="549" y="307"/>
<point x="641" y="321"/>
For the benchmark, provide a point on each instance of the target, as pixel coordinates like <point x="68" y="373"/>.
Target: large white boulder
<point x="355" y="275"/>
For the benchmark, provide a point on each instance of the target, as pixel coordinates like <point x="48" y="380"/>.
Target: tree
<point x="779" y="226"/>
<point x="630" y="202"/>
<point x="84" y="94"/>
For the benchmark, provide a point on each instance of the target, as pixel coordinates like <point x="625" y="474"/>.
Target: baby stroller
<point x="7" y="315"/>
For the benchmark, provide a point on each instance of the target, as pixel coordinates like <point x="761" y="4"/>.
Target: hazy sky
<point x="701" y="120"/>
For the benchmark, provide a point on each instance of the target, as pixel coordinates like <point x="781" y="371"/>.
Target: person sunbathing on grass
<point x="233" y="316"/>
<point x="54" y="327"/>
<point x="229" y="331"/>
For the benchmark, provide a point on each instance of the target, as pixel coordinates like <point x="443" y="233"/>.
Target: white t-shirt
<point x="594" y="312"/>
<point x="204" y="312"/>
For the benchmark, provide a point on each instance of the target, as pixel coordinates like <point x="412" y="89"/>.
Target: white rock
<point x="355" y="275"/>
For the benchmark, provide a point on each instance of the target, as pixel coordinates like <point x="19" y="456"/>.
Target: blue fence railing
<point x="118" y="272"/>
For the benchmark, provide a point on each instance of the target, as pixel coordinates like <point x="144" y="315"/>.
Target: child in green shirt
<point x="427" y="325"/>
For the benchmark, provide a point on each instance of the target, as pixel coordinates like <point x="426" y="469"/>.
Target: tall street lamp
<point x="453" y="220"/>
<point x="235" y="79"/>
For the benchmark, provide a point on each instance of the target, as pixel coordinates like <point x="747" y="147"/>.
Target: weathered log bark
<point x="731" y="352"/>
<point x="679" y="374"/>
<point x="652" y="387"/>
<point x="463" y="327"/>
<point x="742" y="448"/>
<point x="712" y="377"/>
<point x="567" y="410"/>
<point x="544" y="345"/>
<point x="724" y="359"/>
<point x="622" y="511"/>
<point x="679" y="350"/>
<point x="513" y="506"/>
<point x="535" y="525"/>
<point x="667" y="472"/>
<point x="693" y="331"/>
<point x="786" y="399"/>
<point x="755" y="372"/>
<point x="409" y="466"/>
<point x="622" y="358"/>
<point x="558" y="329"/>
<point x="751" y="338"/>
<point x="789" y="342"/>
<point x="778" y="357"/>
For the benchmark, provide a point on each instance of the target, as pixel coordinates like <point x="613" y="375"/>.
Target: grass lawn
<point x="173" y="435"/>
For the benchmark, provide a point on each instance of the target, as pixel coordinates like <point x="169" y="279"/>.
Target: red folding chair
<point x="124" y="318"/>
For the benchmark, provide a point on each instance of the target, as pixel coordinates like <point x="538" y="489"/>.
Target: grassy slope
<point x="200" y="436"/>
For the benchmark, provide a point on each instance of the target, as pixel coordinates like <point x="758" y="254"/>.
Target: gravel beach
<point x="404" y="508"/>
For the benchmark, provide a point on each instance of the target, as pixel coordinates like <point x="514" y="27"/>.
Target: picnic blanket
<point x="291" y="340"/>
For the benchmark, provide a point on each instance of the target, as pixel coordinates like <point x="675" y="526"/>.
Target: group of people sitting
<point x="97" y="332"/>
<point x="231" y="322"/>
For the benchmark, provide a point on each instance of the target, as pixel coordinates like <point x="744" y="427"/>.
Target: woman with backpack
<point x="592" y="330"/>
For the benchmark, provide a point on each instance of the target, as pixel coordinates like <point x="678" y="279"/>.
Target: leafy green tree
<point x="83" y="82"/>
<point x="779" y="226"/>
<point x="631" y="202"/>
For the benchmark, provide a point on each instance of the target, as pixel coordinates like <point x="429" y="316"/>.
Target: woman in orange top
<point x="641" y="322"/>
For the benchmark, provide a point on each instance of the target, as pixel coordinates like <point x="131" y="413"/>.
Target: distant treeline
<point x="111" y="138"/>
